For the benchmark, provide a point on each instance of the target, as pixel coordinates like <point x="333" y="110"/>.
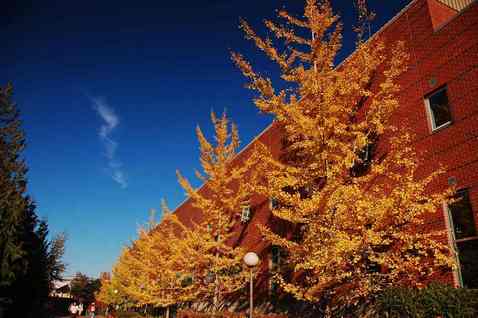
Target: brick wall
<point x="447" y="55"/>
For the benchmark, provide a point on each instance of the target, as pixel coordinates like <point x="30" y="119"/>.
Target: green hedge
<point x="192" y="314"/>
<point x="436" y="300"/>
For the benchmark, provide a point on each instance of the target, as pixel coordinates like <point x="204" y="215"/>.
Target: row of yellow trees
<point x="347" y="181"/>
<point x="172" y="263"/>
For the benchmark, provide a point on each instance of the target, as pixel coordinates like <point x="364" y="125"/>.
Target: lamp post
<point x="251" y="259"/>
<point x="116" y="293"/>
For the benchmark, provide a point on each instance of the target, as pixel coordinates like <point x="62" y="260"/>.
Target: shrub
<point x="436" y="300"/>
<point x="192" y="314"/>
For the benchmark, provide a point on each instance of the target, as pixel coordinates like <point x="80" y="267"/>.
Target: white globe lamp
<point x="251" y="259"/>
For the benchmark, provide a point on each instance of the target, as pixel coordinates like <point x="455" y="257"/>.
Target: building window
<point x="465" y="238"/>
<point x="273" y="203"/>
<point x="275" y="257"/>
<point x="298" y="233"/>
<point x="438" y="109"/>
<point x="305" y="192"/>
<point x="361" y="166"/>
<point x="468" y="256"/>
<point x="245" y="213"/>
<point x="187" y="281"/>
<point x="462" y="216"/>
<point x="273" y="289"/>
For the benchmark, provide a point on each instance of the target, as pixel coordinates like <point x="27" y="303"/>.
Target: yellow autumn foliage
<point x="155" y="270"/>
<point x="171" y="263"/>
<point x="227" y="187"/>
<point x="347" y="182"/>
<point x="357" y="219"/>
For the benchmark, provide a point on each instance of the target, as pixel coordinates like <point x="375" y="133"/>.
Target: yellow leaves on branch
<point x="152" y="271"/>
<point x="172" y="263"/>
<point x="223" y="181"/>
<point x="351" y="192"/>
<point x="354" y="193"/>
<point x="219" y="203"/>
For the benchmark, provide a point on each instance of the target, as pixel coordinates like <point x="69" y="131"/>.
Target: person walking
<point x="73" y="309"/>
<point x="110" y="312"/>
<point x="80" y="309"/>
<point x="92" y="310"/>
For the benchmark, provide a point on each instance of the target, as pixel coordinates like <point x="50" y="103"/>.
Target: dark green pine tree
<point x="29" y="262"/>
<point x="31" y="287"/>
<point x="13" y="203"/>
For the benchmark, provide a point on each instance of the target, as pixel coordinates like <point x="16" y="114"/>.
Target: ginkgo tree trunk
<point x="347" y="179"/>
<point x="220" y="270"/>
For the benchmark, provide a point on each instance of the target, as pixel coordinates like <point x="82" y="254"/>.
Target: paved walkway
<point x="97" y="316"/>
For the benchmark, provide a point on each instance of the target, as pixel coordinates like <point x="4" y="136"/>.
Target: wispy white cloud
<point x="120" y="178"/>
<point x="110" y="122"/>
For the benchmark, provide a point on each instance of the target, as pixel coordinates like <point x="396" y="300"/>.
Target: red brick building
<point x="439" y="102"/>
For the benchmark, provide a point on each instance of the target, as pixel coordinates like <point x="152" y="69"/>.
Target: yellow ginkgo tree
<point x="155" y="270"/>
<point x="218" y="260"/>
<point x="347" y="180"/>
<point x="115" y="291"/>
<point x="165" y="268"/>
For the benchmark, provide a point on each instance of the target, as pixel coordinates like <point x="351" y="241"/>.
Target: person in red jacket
<point x="92" y="310"/>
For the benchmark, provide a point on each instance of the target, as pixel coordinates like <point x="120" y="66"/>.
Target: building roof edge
<point x="382" y="28"/>
<point x="235" y="156"/>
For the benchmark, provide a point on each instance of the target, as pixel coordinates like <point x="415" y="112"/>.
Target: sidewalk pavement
<point x="97" y="316"/>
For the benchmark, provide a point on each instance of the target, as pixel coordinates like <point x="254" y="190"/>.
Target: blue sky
<point x="110" y="93"/>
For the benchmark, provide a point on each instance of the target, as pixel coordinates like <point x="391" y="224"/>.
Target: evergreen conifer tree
<point x="29" y="262"/>
<point x="12" y="189"/>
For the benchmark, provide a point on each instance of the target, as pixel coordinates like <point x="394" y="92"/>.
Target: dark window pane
<point x="440" y="108"/>
<point x="462" y="216"/>
<point x="274" y="286"/>
<point x="361" y="166"/>
<point x="274" y="289"/>
<point x="298" y="233"/>
<point x="275" y="251"/>
<point x="274" y="204"/>
<point x="468" y="254"/>
<point x="186" y="281"/>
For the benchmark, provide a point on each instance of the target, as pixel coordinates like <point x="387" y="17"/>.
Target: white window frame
<point x="245" y="213"/>
<point x="431" y="117"/>
<point x="457" y="277"/>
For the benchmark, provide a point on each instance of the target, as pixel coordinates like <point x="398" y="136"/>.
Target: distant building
<point x="105" y="276"/>
<point x="61" y="289"/>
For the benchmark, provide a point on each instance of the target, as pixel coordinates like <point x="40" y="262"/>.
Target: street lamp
<point x="251" y="259"/>
<point x="116" y="293"/>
